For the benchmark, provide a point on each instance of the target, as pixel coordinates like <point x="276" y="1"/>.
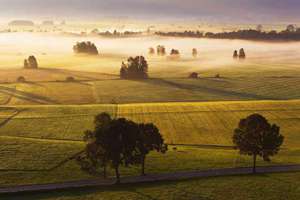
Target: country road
<point x="146" y="179"/>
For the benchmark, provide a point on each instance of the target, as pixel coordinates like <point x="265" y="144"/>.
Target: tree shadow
<point x="27" y="96"/>
<point x="205" y="89"/>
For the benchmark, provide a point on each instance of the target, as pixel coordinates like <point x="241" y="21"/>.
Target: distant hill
<point x="21" y="23"/>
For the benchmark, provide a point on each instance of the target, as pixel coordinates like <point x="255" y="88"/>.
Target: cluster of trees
<point x="31" y="63"/>
<point x="255" y="136"/>
<point x="119" y="142"/>
<point x="86" y="48"/>
<point x="136" y="68"/>
<point x="241" y="54"/>
<point x="290" y="33"/>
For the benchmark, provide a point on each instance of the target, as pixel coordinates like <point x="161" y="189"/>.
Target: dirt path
<point x="147" y="179"/>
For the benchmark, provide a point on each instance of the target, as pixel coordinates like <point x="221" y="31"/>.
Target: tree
<point x="95" y="156"/>
<point x="235" y="54"/>
<point x="119" y="143"/>
<point x="255" y="136"/>
<point x="161" y="50"/>
<point x="291" y="28"/>
<point x="195" y="52"/>
<point x="136" y="68"/>
<point x="86" y="48"/>
<point x="242" y="54"/>
<point x="259" y="28"/>
<point x="150" y="139"/>
<point x="193" y="75"/>
<point x="30" y="63"/>
<point x="151" y="51"/>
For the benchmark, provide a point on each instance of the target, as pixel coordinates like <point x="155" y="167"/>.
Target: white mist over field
<point x="56" y="51"/>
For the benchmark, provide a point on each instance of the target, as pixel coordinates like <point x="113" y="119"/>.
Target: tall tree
<point x="150" y="139"/>
<point x="255" y="136"/>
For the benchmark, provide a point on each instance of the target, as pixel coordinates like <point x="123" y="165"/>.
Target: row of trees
<point x="119" y="142"/>
<point x="85" y="48"/>
<point x="135" y="68"/>
<point x="161" y="51"/>
<point x="290" y="33"/>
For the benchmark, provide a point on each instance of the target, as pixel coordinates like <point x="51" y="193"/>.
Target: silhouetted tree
<point x="235" y="54"/>
<point x="174" y="54"/>
<point x="21" y="79"/>
<point x="291" y="28"/>
<point x="161" y="50"/>
<point x="255" y="136"/>
<point x="86" y="48"/>
<point x="193" y="75"/>
<point x="149" y="140"/>
<point x="30" y="63"/>
<point x="195" y="52"/>
<point x="136" y="68"/>
<point x="151" y="51"/>
<point x="242" y="54"/>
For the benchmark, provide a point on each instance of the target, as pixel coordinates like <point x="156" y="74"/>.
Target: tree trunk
<point x="254" y="163"/>
<point x="104" y="172"/>
<point x="117" y="175"/>
<point x="143" y="166"/>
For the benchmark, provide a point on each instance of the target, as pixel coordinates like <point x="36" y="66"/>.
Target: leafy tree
<point x="136" y="68"/>
<point x="235" y="54"/>
<point x="150" y="139"/>
<point x="161" y="50"/>
<point x="195" y="52"/>
<point x="291" y="28"/>
<point x="95" y="157"/>
<point x="86" y="48"/>
<point x="255" y="136"/>
<point x="242" y="54"/>
<point x="194" y="75"/>
<point x="151" y="51"/>
<point x="30" y="63"/>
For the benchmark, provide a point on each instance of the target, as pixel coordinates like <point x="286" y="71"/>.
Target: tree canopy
<point x="255" y="136"/>
<point x="119" y="142"/>
<point x="86" y="48"/>
<point x="31" y="63"/>
<point x="135" y="68"/>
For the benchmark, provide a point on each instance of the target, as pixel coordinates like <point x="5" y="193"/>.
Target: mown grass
<point x="29" y="161"/>
<point x="258" y="187"/>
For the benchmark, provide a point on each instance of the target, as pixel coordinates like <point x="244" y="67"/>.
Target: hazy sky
<point x="276" y="10"/>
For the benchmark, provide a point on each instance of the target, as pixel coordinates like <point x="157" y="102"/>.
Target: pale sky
<point x="277" y="10"/>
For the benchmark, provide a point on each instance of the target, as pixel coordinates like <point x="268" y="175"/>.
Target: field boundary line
<point x="151" y="178"/>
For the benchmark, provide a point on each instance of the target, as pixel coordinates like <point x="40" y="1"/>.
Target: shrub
<point x="21" y="79"/>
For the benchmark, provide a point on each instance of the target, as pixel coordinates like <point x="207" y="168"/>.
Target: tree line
<point x="290" y="33"/>
<point x="121" y="142"/>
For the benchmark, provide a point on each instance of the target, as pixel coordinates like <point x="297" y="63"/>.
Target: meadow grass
<point x="40" y="137"/>
<point x="259" y="187"/>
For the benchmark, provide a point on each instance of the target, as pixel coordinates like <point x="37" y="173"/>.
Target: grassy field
<point x="105" y="89"/>
<point x="40" y="137"/>
<point x="259" y="187"/>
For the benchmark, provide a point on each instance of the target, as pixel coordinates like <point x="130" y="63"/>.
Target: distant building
<point x="21" y="23"/>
